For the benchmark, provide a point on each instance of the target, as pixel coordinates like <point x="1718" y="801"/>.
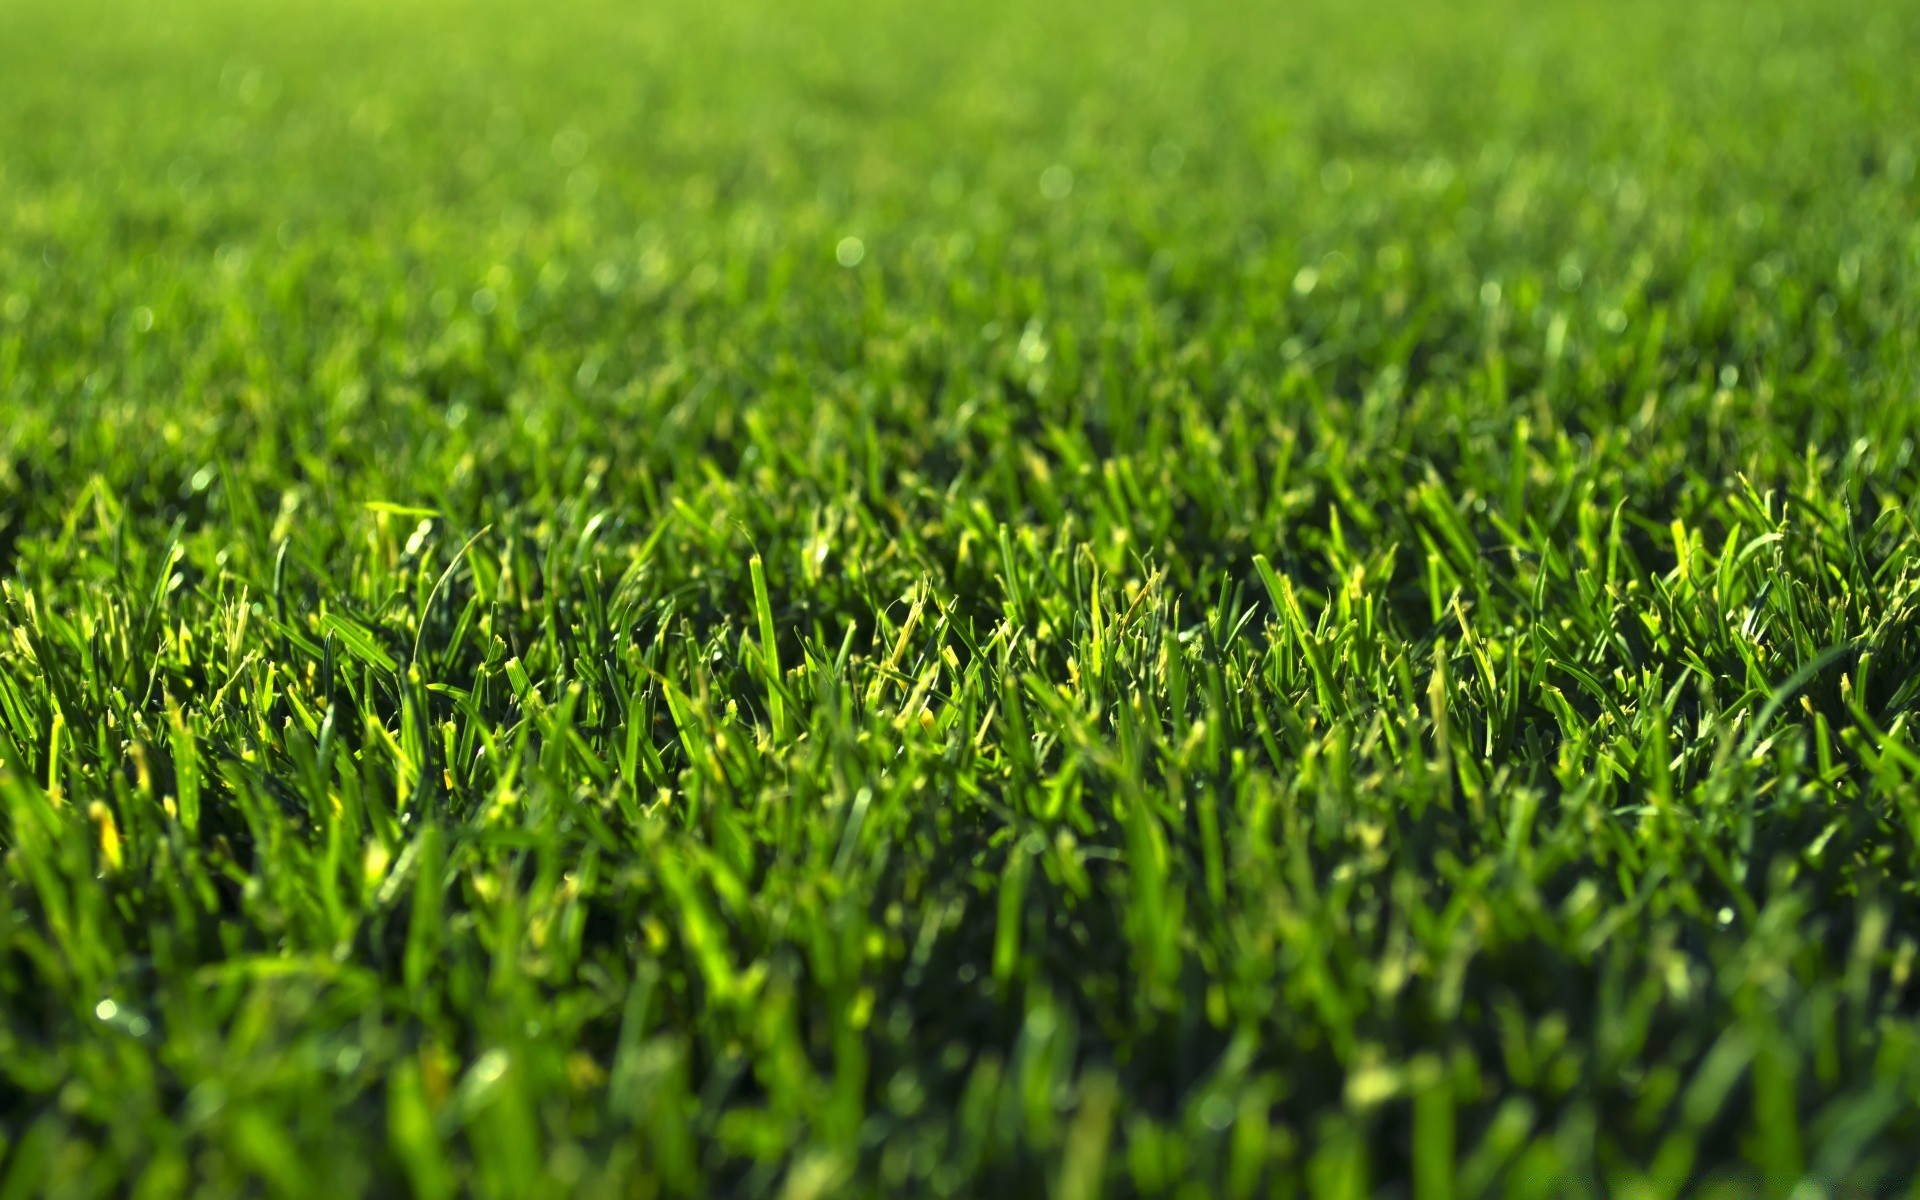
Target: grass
<point x="852" y="598"/>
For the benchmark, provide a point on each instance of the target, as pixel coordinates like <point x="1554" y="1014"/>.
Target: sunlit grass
<point x="848" y="598"/>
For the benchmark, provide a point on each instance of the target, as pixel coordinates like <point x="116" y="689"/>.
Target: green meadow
<point x="846" y="598"/>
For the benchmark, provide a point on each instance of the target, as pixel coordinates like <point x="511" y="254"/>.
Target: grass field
<point x="854" y="598"/>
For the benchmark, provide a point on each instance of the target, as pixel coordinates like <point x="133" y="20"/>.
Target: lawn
<point x="843" y="597"/>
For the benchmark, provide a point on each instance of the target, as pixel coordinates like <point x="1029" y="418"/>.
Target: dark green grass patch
<point x="853" y="599"/>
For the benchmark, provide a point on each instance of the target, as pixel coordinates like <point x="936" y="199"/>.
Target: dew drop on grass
<point x="850" y="252"/>
<point x="421" y="533"/>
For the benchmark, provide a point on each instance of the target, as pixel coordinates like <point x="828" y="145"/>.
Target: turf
<point x="850" y="598"/>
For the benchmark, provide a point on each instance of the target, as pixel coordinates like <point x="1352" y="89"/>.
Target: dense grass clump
<point x="851" y="598"/>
